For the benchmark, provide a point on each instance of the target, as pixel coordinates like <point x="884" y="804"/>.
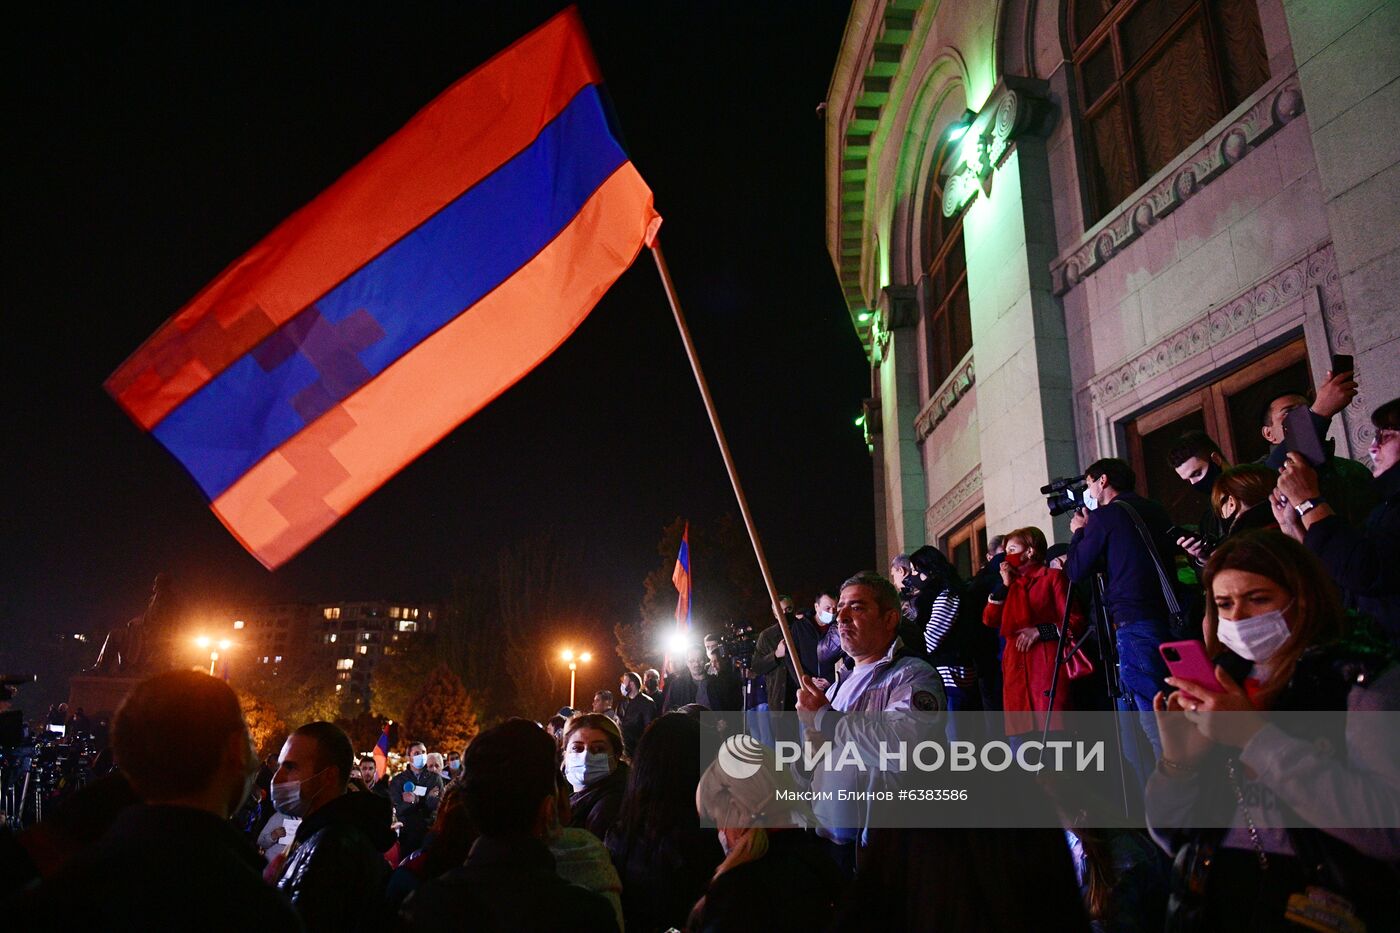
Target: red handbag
<point x="1077" y="663"/>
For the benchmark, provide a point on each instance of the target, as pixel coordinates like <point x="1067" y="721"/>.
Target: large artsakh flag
<point x="403" y="299"/>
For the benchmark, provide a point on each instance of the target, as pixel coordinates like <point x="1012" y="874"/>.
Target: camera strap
<point x="1178" y="616"/>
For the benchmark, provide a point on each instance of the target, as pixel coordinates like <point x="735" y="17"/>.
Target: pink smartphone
<point x="1187" y="660"/>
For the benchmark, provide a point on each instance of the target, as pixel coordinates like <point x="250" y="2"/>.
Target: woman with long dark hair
<point x="664" y="858"/>
<point x="943" y="626"/>
<point x="1297" y="792"/>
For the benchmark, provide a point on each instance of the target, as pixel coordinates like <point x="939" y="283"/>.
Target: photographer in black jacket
<point x="1107" y="539"/>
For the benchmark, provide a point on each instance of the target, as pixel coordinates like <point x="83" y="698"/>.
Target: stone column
<point x="1024" y="402"/>
<point x="1348" y="57"/>
<point x="898" y="372"/>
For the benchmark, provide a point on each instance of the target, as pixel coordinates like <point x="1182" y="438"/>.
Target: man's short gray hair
<point x="886" y="596"/>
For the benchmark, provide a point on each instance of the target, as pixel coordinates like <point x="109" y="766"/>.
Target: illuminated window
<point x="332" y="612"/>
<point x="344" y="664"/>
<point x="339" y="687"/>
<point x="1154" y="76"/>
<point x="966" y="545"/>
<point x="407" y="626"/>
<point x="238" y="623"/>
<point x="330" y="639"/>
<point x="415" y="613"/>
<point x="948" y="322"/>
<point x="394" y="612"/>
<point x="277" y="659"/>
<point x="364" y="649"/>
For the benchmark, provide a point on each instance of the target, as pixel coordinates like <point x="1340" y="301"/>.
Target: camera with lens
<point x="737" y="643"/>
<point x="1064" y="495"/>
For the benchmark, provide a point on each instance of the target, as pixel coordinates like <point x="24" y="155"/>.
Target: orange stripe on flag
<point x="305" y="486"/>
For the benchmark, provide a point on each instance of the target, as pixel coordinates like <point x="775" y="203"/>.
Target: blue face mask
<point x="418" y="762"/>
<point x="1091" y="501"/>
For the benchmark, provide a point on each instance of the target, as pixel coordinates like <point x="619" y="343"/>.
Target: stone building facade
<point x="1071" y="229"/>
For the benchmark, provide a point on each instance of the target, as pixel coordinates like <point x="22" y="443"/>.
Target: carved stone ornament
<point x="1015" y="107"/>
<point x="1317" y="269"/>
<point x="948" y="395"/>
<point x="952" y="504"/>
<point x="1269" y="109"/>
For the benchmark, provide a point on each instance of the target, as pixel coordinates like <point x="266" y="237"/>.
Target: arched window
<point x="1154" y="76"/>
<point x="949" y="319"/>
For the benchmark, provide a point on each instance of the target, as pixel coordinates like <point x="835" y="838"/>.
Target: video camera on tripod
<point x="1064" y="495"/>
<point x="737" y="642"/>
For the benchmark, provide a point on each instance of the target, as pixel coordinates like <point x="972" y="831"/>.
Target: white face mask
<point x="825" y="617"/>
<point x="1255" y="638"/>
<point x="585" y="768"/>
<point x="1091" y="501"/>
<point x="287" y="799"/>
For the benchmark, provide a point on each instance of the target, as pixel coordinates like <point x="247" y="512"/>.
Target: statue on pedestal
<point x="146" y="643"/>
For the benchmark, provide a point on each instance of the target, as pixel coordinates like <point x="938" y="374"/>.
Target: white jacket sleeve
<point x="1356" y="799"/>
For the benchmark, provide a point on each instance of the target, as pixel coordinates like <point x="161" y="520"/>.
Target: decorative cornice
<point x="948" y="395"/>
<point x="1317" y="269"/>
<point x="1269" y="109"/>
<point x="872" y="420"/>
<point x="952" y="502"/>
<point x="871" y="55"/>
<point x="1016" y="106"/>
<point x="901" y="306"/>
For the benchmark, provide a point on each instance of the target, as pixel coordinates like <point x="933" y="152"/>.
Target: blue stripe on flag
<point x="395" y="301"/>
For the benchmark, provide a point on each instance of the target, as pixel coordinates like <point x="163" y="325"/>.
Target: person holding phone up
<point x="1363" y="559"/>
<point x="1345" y="483"/>
<point x="1273" y="618"/>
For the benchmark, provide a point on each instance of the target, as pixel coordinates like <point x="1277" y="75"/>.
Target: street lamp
<point x="204" y="642"/>
<point x="574" y="662"/>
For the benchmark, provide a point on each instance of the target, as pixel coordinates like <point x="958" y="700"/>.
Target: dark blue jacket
<point x="1365" y="562"/>
<point x="1110" y="542"/>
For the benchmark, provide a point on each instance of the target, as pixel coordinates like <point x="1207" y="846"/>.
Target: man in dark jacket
<point x="682" y="687"/>
<point x="635" y="712"/>
<point x="770" y="657"/>
<point x="415" y="793"/>
<point x="1106" y="539"/>
<point x="334" y="870"/>
<point x="1363" y="561"/>
<point x="1345" y="483"/>
<point x="174" y="861"/>
<point x="509" y="881"/>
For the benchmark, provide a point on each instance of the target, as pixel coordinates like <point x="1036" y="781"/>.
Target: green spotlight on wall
<point x="863" y="317"/>
<point x="860" y="422"/>
<point x="957" y="132"/>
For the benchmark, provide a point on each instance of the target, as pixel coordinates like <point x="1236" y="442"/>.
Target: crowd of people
<point x="597" y="819"/>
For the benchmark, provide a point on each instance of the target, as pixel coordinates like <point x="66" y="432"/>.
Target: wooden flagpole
<point x="675" y="301"/>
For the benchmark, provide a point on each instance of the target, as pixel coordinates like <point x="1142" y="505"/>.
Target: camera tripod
<point x="1102" y="630"/>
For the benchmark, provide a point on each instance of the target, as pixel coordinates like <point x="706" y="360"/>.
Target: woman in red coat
<point x="1029" y="617"/>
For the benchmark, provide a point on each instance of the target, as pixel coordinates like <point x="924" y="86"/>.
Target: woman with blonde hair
<point x="594" y="766"/>
<point x="765" y="850"/>
<point x="1028" y="614"/>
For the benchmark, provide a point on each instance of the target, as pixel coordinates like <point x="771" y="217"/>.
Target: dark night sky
<point x="149" y="149"/>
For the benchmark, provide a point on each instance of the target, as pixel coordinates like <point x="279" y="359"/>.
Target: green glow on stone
<point x="863" y="316"/>
<point x="957" y="133"/>
<point x="860" y="421"/>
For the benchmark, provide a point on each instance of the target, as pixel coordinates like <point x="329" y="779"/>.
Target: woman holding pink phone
<point x="1290" y="800"/>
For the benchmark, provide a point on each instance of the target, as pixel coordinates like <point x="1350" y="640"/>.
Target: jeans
<point x="1140" y="673"/>
<point x="760" y="724"/>
<point x="967" y="702"/>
